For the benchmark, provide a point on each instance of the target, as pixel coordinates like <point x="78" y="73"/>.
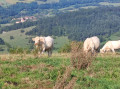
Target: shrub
<point x="22" y="31"/>
<point x="80" y="59"/>
<point x="11" y="37"/>
<point x="63" y="80"/>
<point x="65" y="49"/>
<point x="2" y="41"/>
<point x="1" y="49"/>
<point x="18" y="50"/>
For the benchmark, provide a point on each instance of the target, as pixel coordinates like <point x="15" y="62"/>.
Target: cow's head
<point x="36" y="40"/>
<point x="102" y="51"/>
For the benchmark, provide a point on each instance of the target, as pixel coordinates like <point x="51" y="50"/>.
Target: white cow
<point x="91" y="44"/>
<point x="110" y="45"/>
<point x="44" y="43"/>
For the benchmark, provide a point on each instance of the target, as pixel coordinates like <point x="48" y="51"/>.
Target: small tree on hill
<point x="11" y="37"/>
<point x="2" y="41"/>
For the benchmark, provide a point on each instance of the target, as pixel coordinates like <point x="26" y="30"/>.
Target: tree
<point x="11" y="37"/>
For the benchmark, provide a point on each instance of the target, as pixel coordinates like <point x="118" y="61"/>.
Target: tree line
<point x="77" y="25"/>
<point x="32" y="8"/>
<point x="81" y="24"/>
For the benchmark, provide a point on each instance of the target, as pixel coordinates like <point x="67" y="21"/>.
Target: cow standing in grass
<point x="110" y="46"/>
<point x="91" y="44"/>
<point x="44" y="44"/>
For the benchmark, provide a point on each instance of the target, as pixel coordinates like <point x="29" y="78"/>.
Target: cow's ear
<point x="33" y="39"/>
<point x="42" y="39"/>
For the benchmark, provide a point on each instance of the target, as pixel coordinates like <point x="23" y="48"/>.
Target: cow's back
<point x="116" y="44"/>
<point x="96" y="41"/>
<point x="49" y="42"/>
<point x="87" y="44"/>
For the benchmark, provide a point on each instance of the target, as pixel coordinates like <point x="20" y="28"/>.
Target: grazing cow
<point x="44" y="44"/>
<point x="91" y="44"/>
<point x="110" y="45"/>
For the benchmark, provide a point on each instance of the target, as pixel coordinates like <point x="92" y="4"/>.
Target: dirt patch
<point x="71" y="83"/>
<point x="62" y="81"/>
<point x="10" y="82"/>
<point x="43" y="84"/>
<point x="26" y="80"/>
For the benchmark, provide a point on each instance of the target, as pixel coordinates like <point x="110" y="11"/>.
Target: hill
<point x="25" y="71"/>
<point x="78" y="25"/>
<point x="19" y="39"/>
<point x="74" y="20"/>
<point x="46" y="8"/>
<point x="10" y="2"/>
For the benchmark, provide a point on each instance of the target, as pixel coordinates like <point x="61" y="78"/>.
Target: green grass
<point x="43" y="72"/>
<point x="9" y="2"/>
<point x="115" y="36"/>
<point x="107" y="4"/>
<point x="60" y="41"/>
<point x="102" y="74"/>
<point x="24" y="73"/>
<point x="20" y="39"/>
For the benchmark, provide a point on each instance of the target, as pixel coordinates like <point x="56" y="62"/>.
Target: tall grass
<point x="79" y="58"/>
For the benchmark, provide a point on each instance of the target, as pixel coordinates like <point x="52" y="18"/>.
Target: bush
<point x="18" y="50"/>
<point x="2" y="41"/>
<point x="65" y="49"/>
<point x="1" y="49"/>
<point x="79" y="58"/>
<point x="11" y="37"/>
<point x="22" y="31"/>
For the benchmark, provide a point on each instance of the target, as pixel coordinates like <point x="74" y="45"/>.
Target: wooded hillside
<point x="79" y="25"/>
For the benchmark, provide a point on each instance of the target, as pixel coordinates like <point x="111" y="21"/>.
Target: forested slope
<point x="102" y="21"/>
<point x="20" y="8"/>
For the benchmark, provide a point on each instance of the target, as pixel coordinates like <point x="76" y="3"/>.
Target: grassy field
<point x="115" y="36"/>
<point x="108" y="4"/>
<point x="14" y="1"/>
<point x="23" y="71"/>
<point x="9" y="2"/>
<point x="22" y="41"/>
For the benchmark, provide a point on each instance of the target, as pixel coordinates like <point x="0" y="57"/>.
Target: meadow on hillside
<point x="24" y="71"/>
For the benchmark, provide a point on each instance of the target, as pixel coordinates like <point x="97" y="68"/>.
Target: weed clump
<point x="80" y="59"/>
<point x="19" y="51"/>
<point x="64" y="81"/>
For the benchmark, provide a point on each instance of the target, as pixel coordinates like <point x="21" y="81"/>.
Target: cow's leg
<point x="49" y="53"/>
<point x="39" y="53"/>
<point x="43" y="50"/>
<point x="113" y="50"/>
<point x="93" y="50"/>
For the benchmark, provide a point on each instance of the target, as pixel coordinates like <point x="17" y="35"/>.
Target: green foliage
<point x="11" y="37"/>
<point x="2" y="41"/>
<point x="18" y="50"/>
<point x="103" y="73"/>
<point x="65" y="49"/>
<point x="86" y="23"/>
<point x="22" y="31"/>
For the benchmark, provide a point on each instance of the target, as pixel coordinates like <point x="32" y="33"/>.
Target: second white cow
<point x="44" y="44"/>
<point x="110" y="45"/>
<point x="91" y="44"/>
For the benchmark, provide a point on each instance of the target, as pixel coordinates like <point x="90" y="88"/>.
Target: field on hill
<point x="29" y="1"/>
<point x="23" y="71"/>
<point x="18" y="39"/>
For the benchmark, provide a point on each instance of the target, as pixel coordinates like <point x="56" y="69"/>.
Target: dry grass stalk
<point x="62" y="80"/>
<point x="70" y="85"/>
<point x="79" y="58"/>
